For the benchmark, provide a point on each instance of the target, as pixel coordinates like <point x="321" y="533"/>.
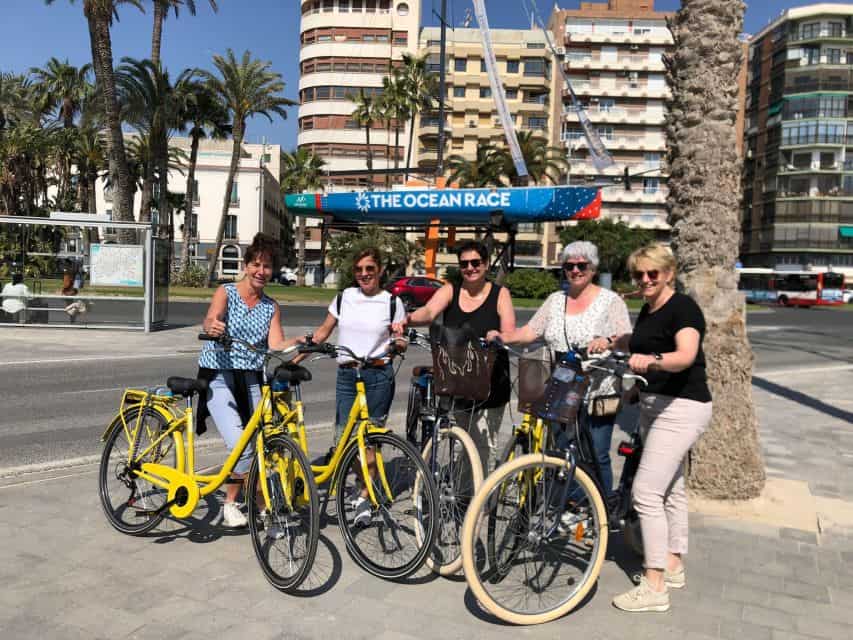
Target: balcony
<point x="817" y="140"/>
<point x="618" y="115"/>
<point x="617" y="38"/>
<point x="811" y="86"/>
<point x="838" y="35"/>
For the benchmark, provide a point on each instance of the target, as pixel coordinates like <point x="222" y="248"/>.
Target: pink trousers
<point x="669" y="426"/>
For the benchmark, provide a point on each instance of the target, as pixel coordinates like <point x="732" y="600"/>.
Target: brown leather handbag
<point x="461" y="367"/>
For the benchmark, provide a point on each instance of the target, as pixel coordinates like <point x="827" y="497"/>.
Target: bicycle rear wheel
<point x="284" y="537"/>
<point x="458" y="475"/>
<point x="131" y="504"/>
<point x="390" y="540"/>
<point x="551" y="537"/>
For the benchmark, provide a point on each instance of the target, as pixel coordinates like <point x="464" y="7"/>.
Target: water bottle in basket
<point x="565" y="391"/>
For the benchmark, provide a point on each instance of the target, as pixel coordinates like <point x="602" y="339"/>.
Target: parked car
<point x="286" y="276"/>
<point x="414" y="291"/>
<point x="847" y="296"/>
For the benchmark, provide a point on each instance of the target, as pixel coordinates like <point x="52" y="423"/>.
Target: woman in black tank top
<point x="490" y="309"/>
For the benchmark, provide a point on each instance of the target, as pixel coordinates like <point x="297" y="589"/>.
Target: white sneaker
<point x="363" y="512"/>
<point x="232" y="516"/>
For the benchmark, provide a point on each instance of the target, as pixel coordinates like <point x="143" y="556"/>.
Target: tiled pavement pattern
<point x="66" y="574"/>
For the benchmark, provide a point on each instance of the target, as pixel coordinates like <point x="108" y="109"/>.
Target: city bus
<point x="791" y="288"/>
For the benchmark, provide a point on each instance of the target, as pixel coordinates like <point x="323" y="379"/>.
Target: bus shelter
<point x="81" y="270"/>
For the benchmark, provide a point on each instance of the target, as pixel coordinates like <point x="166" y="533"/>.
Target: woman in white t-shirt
<point x="363" y="315"/>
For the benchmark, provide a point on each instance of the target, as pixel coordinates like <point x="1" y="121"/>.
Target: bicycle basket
<point x="564" y="393"/>
<point x="461" y="367"/>
<point x="533" y="375"/>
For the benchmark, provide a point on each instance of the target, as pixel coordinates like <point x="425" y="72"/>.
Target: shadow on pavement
<point x="325" y="572"/>
<point x="200" y="530"/>
<point x="803" y="399"/>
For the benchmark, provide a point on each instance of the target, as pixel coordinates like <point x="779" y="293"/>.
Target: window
<point x="512" y="66"/>
<point x="433" y="43"/>
<point x="810" y="30"/>
<point x="606" y="105"/>
<point x="836" y="29"/>
<point x="458" y="92"/>
<point x="652" y="159"/>
<point x="402" y="9"/>
<point x="235" y="195"/>
<point x="537" y="123"/>
<point x="193" y="226"/>
<point x="343" y="6"/>
<point x="811" y="55"/>
<point x="483" y="65"/>
<point x="230" y="260"/>
<point x="460" y="64"/>
<point x="606" y="133"/>
<point x="512" y="94"/>
<point x="230" y="227"/>
<point x="485" y="92"/>
<point x="534" y="68"/>
<point x="535" y="45"/>
<point x="267" y="158"/>
<point x="651" y="185"/>
<point x="833" y="56"/>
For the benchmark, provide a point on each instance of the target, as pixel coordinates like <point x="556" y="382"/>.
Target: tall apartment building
<point x="348" y="46"/>
<point x="798" y="171"/>
<point x="613" y="57"/>
<point x="526" y="68"/>
<point x="255" y="203"/>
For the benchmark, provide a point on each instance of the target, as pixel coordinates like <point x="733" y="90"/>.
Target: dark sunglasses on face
<point x="474" y="264"/>
<point x="368" y="270"/>
<point x="652" y="273"/>
<point x="580" y="266"/>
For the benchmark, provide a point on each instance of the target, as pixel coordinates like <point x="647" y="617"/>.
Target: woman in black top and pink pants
<point x="675" y="408"/>
<point x="483" y="306"/>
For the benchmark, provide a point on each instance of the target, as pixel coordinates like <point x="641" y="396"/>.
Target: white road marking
<point x="17" y="363"/>
<point x="62" y="393"/>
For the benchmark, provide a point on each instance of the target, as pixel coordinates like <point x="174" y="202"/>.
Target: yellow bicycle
<point x="387" y="503"/>
<point x="148" y="470"/>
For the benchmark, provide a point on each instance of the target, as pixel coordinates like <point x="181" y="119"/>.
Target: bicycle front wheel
<point x="458" y="475"/>
<point x="284" y="535"/>
<point x="132" y="505"/>
<point x="549" y="534"/>
<point x="393" y="538"/>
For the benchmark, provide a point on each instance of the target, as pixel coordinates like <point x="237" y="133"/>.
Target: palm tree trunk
<point x="300" y="254"/>
<point x="239" y="127"/>
<point x="369" y="150"/>
<point x="163" y="206"/>
<point x="188" y="199"/>
<point x="704" y="207"/>
<point x="147" y="195"/>
<point x="409" y="148"/>
<point x="102" y="59"/>
<point x="160" y="9"/>
<point x="388" y="153"/>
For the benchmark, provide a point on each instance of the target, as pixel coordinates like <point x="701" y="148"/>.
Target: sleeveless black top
<point x="483" y="319"/>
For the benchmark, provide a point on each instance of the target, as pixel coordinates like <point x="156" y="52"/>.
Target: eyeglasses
<point x="474" y="264"/>
<point x="638" y="275"/>
<point x="368" y="269"/>
<point x="580" y="266"/>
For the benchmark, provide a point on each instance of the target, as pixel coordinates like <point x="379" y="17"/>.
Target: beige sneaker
<point x="642" y="598"/>
<point x="232" y="516"/>
<point x="675" y="579"/>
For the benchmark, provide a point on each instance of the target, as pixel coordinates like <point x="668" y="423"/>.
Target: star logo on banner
<point x="362" y="202"/>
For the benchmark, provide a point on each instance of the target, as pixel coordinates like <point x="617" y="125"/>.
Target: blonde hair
<point x="657" y="253"/>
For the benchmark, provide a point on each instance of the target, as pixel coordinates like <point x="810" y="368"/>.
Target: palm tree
<point x="13" y="103"/>
<point x="246" y="88"/>
<point x="542" y="160"/>
<point x="67" y="84"/>
<point x="99" y="16"/>
<point x="485" y="171"/>
<point x="301" y="171"/>
<point x="703" y="202"/>
<point x="365" y="114"/>
<point x="202" y="116"/>
<point x="421" y="88"/>
<point x="161" y="10"/>
<point x="395" y="94"/>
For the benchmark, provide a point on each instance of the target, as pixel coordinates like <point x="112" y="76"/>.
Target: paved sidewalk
<point x="67" y="574"/>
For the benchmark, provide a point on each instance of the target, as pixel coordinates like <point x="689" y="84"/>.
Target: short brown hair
<point x="262" y="245"/>
<point x="368" y="252"/>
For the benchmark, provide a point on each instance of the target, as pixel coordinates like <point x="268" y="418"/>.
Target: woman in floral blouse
<point x="584" y="314"/>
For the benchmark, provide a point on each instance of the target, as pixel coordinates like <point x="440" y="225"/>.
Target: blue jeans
<point x="602" y="435"/>
<point x="379" y="386"/>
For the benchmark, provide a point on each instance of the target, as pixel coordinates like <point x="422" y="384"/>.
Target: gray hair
<point x="581" y="249"/>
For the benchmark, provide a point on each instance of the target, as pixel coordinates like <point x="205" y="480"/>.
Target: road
<point x="59" y="397"/>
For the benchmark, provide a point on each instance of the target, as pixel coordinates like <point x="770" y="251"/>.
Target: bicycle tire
<point x="151" y="498"/>
<point x="283" y="518"/>
<point x="424" y="508"/>
<point x="413" y="414"/>
<point x="579" y="589"/>
<point x="446" y="559"/>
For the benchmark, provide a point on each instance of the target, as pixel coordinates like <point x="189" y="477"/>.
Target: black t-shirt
<point x="655" y="333"/>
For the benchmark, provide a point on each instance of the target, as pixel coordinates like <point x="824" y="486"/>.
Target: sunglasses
<point x="652" y="273"/>
<point x="580" y="266"/>
<point x="369" y="269"/>
<point x="474" y="264"/>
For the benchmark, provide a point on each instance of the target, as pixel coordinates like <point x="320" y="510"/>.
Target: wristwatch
<point x="657" y="355"/>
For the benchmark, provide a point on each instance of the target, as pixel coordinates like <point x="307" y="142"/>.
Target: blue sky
<point x="33" y="32"/>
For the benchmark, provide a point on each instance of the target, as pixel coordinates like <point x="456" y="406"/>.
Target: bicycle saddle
<point x="294" y="374"/>
<point x="419" y="371"/>
<point x="186" y="386"/>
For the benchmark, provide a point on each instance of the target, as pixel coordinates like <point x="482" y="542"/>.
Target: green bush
<point x="529" y="283"/>
<point x="192" y="275"/>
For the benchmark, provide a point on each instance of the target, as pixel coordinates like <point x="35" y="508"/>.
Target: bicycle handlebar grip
<point x="204" y="336"/>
